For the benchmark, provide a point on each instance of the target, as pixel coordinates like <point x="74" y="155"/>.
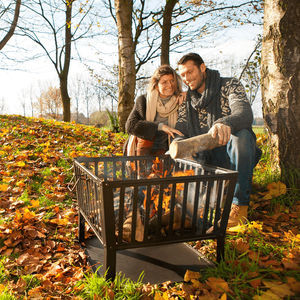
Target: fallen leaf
<point x="268" y="295"/>
<point x="294" y="284"/>
<point x="255" y="283"/>
<point x="290" y="264"/>
<point x="217" y="284"/>
<point x="191" y="275"/>
<point x="241" y="245"/>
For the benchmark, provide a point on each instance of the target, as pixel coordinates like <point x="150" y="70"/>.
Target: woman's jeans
<point x="242" y="155"/>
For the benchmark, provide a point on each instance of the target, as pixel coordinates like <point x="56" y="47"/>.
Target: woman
<point x="151" y="122"/>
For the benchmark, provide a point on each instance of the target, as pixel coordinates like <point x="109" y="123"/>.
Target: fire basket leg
<point x="110" y="262"/>
<point x="220" y="248"/>
<point x="81" y="228"/>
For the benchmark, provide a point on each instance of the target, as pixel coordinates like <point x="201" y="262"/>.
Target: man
<point x="220" y="106"/>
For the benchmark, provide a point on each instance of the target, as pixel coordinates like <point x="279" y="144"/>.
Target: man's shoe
<point x="238" y="215"/>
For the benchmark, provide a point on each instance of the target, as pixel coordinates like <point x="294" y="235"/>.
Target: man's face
<point x="193" y="76"/>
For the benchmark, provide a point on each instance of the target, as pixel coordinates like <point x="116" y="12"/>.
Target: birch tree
<point x="126" y="59"/>
<point x="280" y="74"/>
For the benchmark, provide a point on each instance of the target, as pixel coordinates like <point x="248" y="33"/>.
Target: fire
<point x="157" y="171"/>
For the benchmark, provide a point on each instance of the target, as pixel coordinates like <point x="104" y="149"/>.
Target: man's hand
<point x="170" y="131"/>
<point x="222" y="131"/>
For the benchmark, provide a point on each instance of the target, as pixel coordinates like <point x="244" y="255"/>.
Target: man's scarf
<point x="209" y="101"/>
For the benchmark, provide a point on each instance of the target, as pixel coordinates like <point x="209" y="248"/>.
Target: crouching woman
<point x="153" y="118"/>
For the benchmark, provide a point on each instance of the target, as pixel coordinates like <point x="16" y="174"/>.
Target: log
<point x="187" y="147"/>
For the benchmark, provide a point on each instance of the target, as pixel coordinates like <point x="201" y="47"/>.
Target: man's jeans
<point x="242" y="155"/>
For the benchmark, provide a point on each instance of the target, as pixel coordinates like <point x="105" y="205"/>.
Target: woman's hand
<point x="170" y="131"/>
<point x="181" y="97"/>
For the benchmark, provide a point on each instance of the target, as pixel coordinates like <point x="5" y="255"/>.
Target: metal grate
<point x="134" y="202"/>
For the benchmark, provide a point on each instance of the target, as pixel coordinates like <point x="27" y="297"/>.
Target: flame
<point x="157" y="171"/>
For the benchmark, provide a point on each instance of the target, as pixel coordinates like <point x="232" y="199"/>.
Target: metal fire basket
<point x="134" y="201"/>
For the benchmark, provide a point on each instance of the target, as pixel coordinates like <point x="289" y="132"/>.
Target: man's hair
<point x="196" y="58"/>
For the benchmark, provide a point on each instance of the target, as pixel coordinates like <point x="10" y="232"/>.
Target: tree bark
<point x="166" y="32"/>
<point x="63" y="76"/>
<point x="280" y="74"/>
<point x="126" y="60"/>
<point x="13" y="25"/>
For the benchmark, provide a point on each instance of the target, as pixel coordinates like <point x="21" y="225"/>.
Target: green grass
<point x="95" y="285"/>
<point x="259" y="129"/>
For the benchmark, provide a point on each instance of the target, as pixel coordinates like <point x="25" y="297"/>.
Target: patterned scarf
<point x="203" y="110"/>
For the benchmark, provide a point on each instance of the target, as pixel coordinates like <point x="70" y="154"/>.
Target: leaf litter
<point x="38" y="228"/>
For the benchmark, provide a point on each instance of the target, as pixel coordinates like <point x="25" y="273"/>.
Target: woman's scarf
<point x="168" y="110"/>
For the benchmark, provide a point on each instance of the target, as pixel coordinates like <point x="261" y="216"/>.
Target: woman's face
<point x="166" y="86"/>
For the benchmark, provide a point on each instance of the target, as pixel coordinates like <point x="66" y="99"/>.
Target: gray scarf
<point x="209" y="101"/>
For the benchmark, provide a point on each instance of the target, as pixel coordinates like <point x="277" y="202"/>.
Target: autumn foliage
<point x="40" y="257"/>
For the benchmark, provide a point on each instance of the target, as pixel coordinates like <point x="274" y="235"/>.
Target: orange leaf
<point x="290" y="264"/>
<point x="4" y="187"/>
<point x="35" y="203"/>
<point x="217" y="284"/>
<point x="276" y="188"/>
<point x="255" y="283"/>
<point x="241" y="245"/>
<point x="294" y="284"/>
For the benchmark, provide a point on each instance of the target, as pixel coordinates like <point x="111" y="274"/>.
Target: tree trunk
<point x="281" y="84"/>
<point x="65" y="99"/>
<point x="126" y="60"/>
<point x="166" y="32"/>
<point x="63" y="76"/>
<point x="12" y="26"/>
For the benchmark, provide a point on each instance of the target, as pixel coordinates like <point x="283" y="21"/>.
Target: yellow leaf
<point x="191" y="275"/>
<point x="4" y="187"/>
<point x="35" y="203"/>
<point x="196" y="284"/>
<point x="20" y="164"/>
<point x="60" y="221"/>
<point x="241" y="228"/>
<point x="2" y="288"/>
<point x="158" y="296"/>
<point x="217" y="284"/>
<point x="28" y="214"/>
<point x="276" y="188"/>
<point x="268" y="295"/>
<point x="224" y="297"/>
<point x="282" y="290"/>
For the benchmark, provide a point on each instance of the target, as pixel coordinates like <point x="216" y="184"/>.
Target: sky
<point x="236" y="45"/>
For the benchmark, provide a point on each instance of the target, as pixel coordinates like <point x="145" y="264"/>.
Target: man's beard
<point x="199" y="85"/>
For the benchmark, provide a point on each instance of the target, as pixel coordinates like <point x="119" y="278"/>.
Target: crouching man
<point x="220" y="106"/>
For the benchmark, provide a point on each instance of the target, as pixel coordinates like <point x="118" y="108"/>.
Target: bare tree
<point x="2" y="106"/>
<point x="281" y="84"/>
<point x="153" y="35"/>
<point x="250" y="74"/>
<point x="13" y="24"/>
<point x="49" y="103"/>
<point x="63" y="22"/>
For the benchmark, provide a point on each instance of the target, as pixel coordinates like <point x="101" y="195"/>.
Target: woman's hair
<point x="161" y="71"/>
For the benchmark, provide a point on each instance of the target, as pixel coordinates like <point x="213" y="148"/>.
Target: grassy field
<point x="40" y="257"/>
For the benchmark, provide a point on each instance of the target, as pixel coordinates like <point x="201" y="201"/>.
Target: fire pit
<point x="132" y="202"/>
